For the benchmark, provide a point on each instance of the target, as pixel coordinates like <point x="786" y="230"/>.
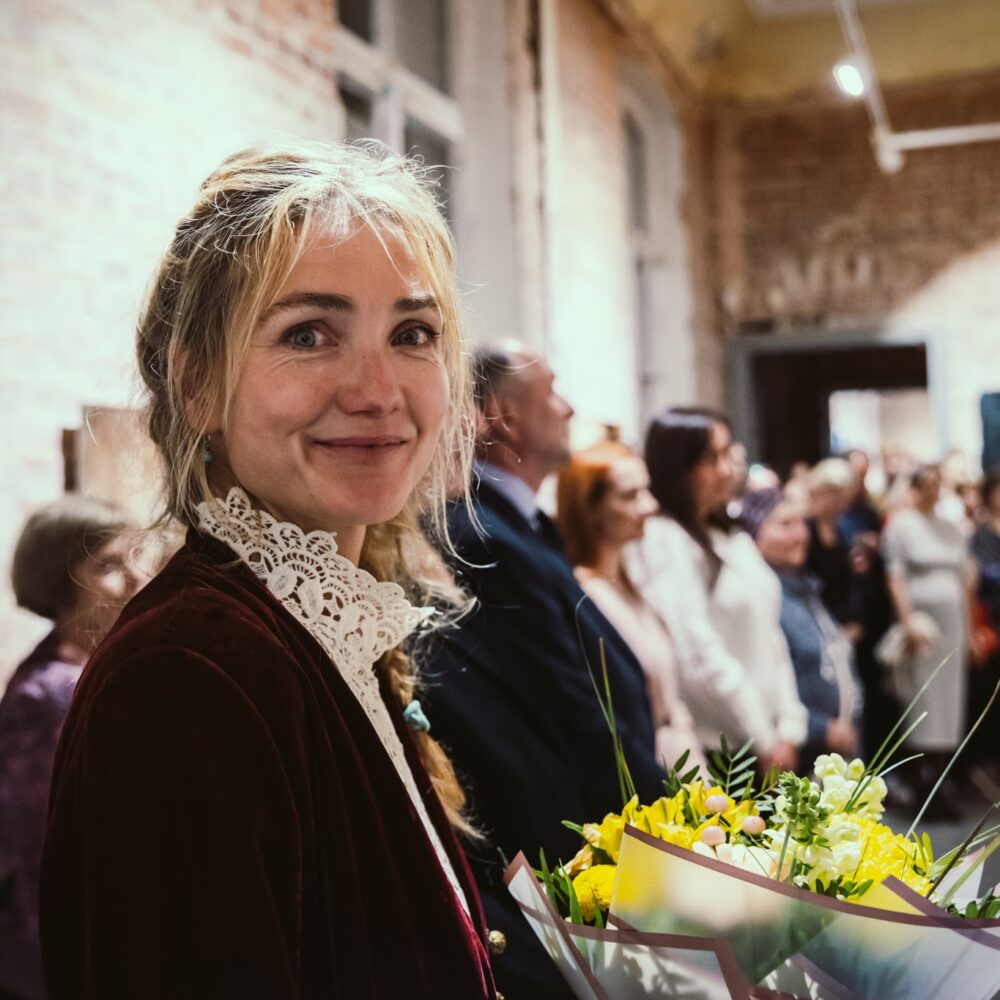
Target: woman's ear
<point x="203" y="416"/>
<point x="202" y="409"/>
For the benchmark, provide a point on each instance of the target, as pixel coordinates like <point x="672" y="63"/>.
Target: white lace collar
<point x="353" y="616"/>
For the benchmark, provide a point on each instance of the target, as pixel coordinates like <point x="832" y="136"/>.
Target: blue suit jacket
<point x="510" y="696"/>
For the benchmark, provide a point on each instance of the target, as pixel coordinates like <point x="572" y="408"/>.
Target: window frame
<point x="397" y="93"/>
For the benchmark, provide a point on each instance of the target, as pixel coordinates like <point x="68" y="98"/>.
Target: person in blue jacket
<point x="509" y="690"/>
<point x="821" y="653"/>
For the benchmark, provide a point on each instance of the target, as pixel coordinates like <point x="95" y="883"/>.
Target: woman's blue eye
<point x="416" y="336"/>
<point x="304" y="336"/>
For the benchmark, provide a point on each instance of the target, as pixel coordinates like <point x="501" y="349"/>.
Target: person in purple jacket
<point x="73" y="564"/>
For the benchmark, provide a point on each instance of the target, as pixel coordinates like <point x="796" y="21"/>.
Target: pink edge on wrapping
<point x="972" y="929"/>
<point x="936" y="916"/>
<point x="520" y="863"/>
<point x="732" y="974"/>
<point x="822" y="978"/>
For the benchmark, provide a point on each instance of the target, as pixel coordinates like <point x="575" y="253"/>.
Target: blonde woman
<point x="246" y="802"/>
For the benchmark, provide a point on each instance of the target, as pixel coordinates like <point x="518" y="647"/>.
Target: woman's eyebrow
<point x="316" y="300"/>
<point x="416" y="304"/>
<point x="341" y="303"/>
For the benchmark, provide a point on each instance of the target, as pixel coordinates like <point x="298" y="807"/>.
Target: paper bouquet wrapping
<point x="700" y="897"/>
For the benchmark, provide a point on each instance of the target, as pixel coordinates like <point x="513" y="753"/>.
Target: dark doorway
<point x="792" y="393"/>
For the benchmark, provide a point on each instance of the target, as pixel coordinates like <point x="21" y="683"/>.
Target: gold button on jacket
<point x="497" y="942"/>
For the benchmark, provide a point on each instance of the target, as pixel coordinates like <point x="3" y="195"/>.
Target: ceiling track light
<point x="849" y="77"/>
<point x="855" y="76"/>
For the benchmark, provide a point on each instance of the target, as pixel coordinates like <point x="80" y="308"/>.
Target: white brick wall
<point x="113" y="115"/>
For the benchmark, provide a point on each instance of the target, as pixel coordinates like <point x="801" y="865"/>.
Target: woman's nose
<point x="368" y="383"/>
<point x="647" y="504"/>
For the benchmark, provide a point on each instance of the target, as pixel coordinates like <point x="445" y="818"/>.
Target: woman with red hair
<point x="603" y="501"/>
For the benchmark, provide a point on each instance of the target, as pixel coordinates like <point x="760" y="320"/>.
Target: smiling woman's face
<point x="343" y="394"/>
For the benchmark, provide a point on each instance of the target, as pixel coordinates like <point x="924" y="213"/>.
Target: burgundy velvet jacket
<point x="224" y="821"/>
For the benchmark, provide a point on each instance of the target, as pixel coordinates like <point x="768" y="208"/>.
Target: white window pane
<point x="422" y="40"/>
<point x="357" y="110"/>
<point x="358" y="16"/>
<point x="638" y="185"/>
<point x="435" y="151"/>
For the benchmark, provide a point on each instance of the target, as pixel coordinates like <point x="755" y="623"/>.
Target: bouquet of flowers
<point x="730" y="885"/>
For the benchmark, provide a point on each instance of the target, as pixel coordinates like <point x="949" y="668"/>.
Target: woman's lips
<point x="363" y="449"/>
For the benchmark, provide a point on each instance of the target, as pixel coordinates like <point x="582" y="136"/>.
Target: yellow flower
<point x="667" y="819"/>
<point x="696" y="795"/>
<point x="675" y="833"/>
<point x="593" y="889"/>
<point x="581" y="862"/>
<point x="884" y="853"/>
<point x="607" y="835"/>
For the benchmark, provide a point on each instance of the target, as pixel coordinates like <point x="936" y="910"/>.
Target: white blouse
<point x="353" y="616"/>
<point x="736" y="673"/>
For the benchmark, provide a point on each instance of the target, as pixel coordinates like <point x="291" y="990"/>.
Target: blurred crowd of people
<point x="722" y="601"/>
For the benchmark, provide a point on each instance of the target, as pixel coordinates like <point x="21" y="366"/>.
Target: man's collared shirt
<point x="513" y="489"/>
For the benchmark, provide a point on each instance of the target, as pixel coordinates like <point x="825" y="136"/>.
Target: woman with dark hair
<point x="602" y="506"/>
<point x="73" y="565"/>
<point x="717" y="595"/>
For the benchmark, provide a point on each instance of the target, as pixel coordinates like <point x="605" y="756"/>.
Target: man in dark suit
<point x="509" y="689"/>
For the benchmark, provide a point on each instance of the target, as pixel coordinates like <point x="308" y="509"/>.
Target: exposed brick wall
<point x="811" y="235"/>
<point x="113" y="113"/>
<point x="699" y="208"/>
<point x="823" y="234"/>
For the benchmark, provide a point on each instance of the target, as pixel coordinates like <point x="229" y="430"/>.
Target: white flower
<point x="758" y="860"/>
<point x="829" y="764"/>
<point x="840" y="781"/>
<point x="855" y="769"/>
<point x="837" y="792"/>
<point x="841" y="829"/>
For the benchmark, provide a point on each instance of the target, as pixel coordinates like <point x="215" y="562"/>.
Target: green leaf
<point x="575" y="913"/>
<point x="626" y="785"/>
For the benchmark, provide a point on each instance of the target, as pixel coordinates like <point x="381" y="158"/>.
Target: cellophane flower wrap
<point x="788" y="887"/>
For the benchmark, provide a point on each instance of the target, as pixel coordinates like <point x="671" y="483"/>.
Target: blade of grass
<point x="960" y="852"/>
<point x="880" y="757"/>
<point x="626" y="785"/>
<point x="954" y="757"/>
<point x="987" y="851"/>
<point x="873" y="771"/>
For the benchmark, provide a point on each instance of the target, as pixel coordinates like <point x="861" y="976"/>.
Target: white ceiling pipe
<point x="889" y="145"/>
<point x="956" y="135"/>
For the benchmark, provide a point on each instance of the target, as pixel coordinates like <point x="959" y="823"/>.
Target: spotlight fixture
<point x="849" y="78"/>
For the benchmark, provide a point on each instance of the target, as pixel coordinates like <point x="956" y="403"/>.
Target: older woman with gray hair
<point x="830" y="484"/>
<point x="821" y="654"/>
<point x="73" y="565"/>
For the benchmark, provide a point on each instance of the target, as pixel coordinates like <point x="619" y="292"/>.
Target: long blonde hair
<point x="229" y="257"/>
